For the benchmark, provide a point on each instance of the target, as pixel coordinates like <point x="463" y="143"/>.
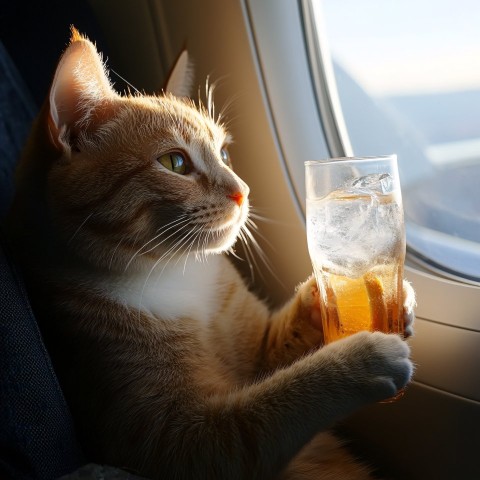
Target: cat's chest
<point x="180" y="291"/>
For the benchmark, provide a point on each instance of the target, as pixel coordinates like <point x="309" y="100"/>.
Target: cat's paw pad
<point x="409" y="304"/>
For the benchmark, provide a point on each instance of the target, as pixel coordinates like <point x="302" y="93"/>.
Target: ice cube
<point x="349" y="235"/>
<point x="381" y="183"/>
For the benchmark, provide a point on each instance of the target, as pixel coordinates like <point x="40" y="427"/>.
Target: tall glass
<point x="356" y="240"/>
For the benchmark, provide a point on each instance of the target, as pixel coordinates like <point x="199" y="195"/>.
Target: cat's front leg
<point x="297" y="327"/>
<point x="267" y="422"/>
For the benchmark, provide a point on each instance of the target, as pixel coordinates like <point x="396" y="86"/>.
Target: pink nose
<point x="237" y="198"/>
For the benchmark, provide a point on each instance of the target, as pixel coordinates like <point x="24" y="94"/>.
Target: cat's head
<point x="137" y="176"/>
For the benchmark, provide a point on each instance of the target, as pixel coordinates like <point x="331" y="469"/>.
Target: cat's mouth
<point x="222" y="239"/>
<point x="223" y="233"/>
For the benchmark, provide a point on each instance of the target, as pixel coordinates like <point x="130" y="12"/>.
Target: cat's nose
<point x="237" y="197"/>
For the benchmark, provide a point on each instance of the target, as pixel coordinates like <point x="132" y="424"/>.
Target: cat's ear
<point x="81" y="94"/>
<point x="180" y="80"/>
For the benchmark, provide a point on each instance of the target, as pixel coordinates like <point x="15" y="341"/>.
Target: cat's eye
<point x="175" y="162"/>
<point x="225" y="156"/>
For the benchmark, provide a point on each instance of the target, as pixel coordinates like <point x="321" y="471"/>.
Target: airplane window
<point x="408" y="81"/>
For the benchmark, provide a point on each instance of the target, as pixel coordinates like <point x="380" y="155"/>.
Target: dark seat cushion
<point x="17" y="111"/>
<point x="37" y="440"/>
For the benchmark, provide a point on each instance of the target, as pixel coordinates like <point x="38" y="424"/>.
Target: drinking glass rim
<point x="354" y="159"/>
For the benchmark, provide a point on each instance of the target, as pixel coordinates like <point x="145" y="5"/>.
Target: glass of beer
<point x="356" y="240"/>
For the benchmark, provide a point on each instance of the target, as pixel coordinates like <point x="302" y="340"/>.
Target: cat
<point x="172" y="367"/>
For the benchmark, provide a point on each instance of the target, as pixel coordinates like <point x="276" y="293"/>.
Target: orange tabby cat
<point x="171" y="367"/>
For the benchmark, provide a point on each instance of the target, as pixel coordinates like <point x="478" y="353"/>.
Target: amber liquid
<point x="372" y="302"/>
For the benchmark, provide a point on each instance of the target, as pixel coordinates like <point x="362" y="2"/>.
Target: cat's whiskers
<point x="210" y="87"/>
<point x="80" y="227"/>
<point x="192" y="242"/>
<point x="253" y="213"/>
<point x="231" y="251"/>
<point x="110" y="263"/>
<point x="126" y="81"/>
<point x="182" y="219"/>
<point x="134" y="242"/>
<point x="226" y="105"/>
<point x="261" y="253"/>
<point x="163" y="240"/>
<point x="191" y="235"/>
<point x="208" y="235"/>
<point x="187" y="243"/>
<point x="209" y="108"/>
<point x="252" y="247"/>
<point x="248" y="253"/>
<point x="254" y="226"/>
<point x="175" y="248"/>
<point x="201" y="245"/>
<point x="165" y="228"/>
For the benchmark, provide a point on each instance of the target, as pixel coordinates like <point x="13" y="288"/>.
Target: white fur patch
<point x="179" y="291"/>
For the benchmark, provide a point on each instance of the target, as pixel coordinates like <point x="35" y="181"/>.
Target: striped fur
<point x="171" y="366"/>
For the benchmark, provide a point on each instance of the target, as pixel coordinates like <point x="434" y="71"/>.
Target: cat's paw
<point x="378" y="363"/>
<point x="409" y="304"/>
<point x="310" y="302"/>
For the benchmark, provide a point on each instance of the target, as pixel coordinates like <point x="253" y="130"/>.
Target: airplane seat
<point x="37" y="433"/>
<point x="37" y="438"/>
